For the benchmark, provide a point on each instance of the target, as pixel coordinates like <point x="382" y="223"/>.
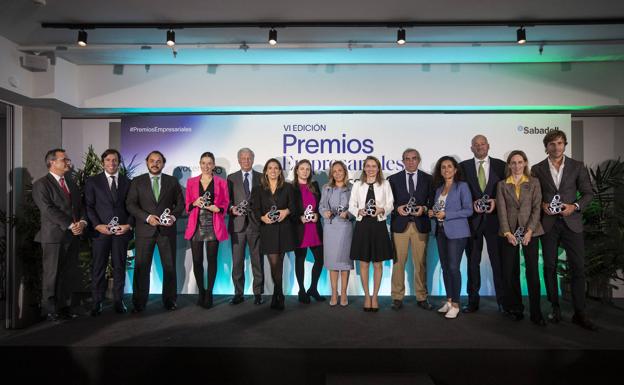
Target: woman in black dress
<point x="272" y="203"/>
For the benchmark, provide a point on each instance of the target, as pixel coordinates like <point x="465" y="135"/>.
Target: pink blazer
<point x="221" y="200"/>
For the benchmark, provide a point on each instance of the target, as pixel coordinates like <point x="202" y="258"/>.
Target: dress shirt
<point x="486" y="167"/>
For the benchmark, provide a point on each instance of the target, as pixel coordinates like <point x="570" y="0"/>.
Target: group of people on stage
<point x="479" y="199"/>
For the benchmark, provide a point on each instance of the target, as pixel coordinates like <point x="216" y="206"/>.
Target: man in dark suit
<point x="62" y="223"/>
<point x="105" y="198"/>
<point x="149" y="197"/>
<point x="409" y="224"/>
<point x="482" y="174"/>
<point x="244" y="228"/>
<point x="566" y="177"/>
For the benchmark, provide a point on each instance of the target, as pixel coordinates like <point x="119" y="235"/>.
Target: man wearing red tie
<point x="62" y="222"/>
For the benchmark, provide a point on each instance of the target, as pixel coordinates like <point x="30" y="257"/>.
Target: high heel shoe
<point x="346" y="301"/>
<point x="280" y="302"/>
<point x="303" y="297"/>
<point x="315" y="294"/>
<point x="208" y="301"/>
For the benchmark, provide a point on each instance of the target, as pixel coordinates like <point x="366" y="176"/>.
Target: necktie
<point x="64" y="187"/>
<point x="410" y="188"/>
<point x="155" y="187"/>
<point x="482" y="182"/>
<point x="246" y="186"/>
<point x="113" y="189"/>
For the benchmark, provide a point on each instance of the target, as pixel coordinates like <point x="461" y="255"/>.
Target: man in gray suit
<point x="563" y="177"/>
<point x="62" y="222"/>
<point x="243" y="228"/>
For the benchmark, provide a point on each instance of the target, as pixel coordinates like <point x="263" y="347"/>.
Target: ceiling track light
<point x="400" y="36"/>
<point x="82" y="38"/>
<point x="521" y="35"/>
<point x="171" y="38"/>
<point x="272" y="36"/>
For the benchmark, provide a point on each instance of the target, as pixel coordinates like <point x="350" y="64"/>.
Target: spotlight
<point x="82" y="38"/>
<point x="401" y="36"/>
<point x="170" y="38"/>
<point x="521" y="35"/>
<point x="272" y="37"/>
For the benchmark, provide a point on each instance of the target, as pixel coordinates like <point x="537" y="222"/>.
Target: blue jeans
<point x="450" y="252"/>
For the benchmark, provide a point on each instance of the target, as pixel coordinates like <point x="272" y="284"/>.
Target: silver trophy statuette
<point x="519" y="234"/>
<point x="556" y="206"/>
<point x="483" y="203"/>
<point x="113" y="225"/>
<point x="242" y="208"/>
<point x="370" y="208"/>
<point x="335" y="212"/>
<point x="205" y="200"/>
<point x="166" y="218"/>
<point x="308" y="214"/>
<point x="273" y="214"/>
<point x="411" y="207"/>
<point x="438" y="207"/>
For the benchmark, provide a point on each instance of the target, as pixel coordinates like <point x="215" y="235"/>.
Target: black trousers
<point x="317" y="268"/>
<point x="103" y="247"/>
<point x="474" y="248"/>
<point x="143" y="266"/>
<point x="197" y="249"/>
<point x="574" y="246"/>
<point x="61" y="273"/>
<point x="512" y="300"/>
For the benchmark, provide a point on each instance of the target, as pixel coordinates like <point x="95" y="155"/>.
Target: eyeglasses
<point x="66" y="160"/>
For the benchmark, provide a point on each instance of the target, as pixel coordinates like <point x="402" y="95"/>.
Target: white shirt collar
<point x="57" y="177"/>
<point x="116" y="175"/>
<point x="486" y="161"/>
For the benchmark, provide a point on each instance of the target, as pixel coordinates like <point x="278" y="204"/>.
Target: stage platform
<point x="316" y="344"/>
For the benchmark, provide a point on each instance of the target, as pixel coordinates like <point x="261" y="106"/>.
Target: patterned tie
<point x="155" y="187"/>
<point x="246" y="186"/>
<point x="113" y="188"/>
<point x="410" y="188"/>
<point x="482" y="181"/>
<point x="64" y="187"/>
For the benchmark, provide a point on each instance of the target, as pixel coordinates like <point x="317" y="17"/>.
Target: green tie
<point x="482" y="182"/>
<point x="155" y="187"/>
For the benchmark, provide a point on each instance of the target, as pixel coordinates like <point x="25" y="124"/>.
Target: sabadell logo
<point x="526" y="130"/>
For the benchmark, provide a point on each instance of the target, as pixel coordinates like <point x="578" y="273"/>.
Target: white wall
<point x="78" y="134"/>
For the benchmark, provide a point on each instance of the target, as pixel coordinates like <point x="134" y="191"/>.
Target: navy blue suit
<point x="486" y="226"/>
<point x="423" y="195"/>
<point x="101" y="207"/>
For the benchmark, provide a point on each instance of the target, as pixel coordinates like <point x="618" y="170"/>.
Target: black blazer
<point x="299" y="210"/>
<point x="575" y="179"/>
<point x="141" y="203"/>
<point x="101" y="207"/>
<point x="56" y="209"/>
<point x="483" y="222"/>
<point x="277" y="237"/>
<point x="424" y="197"/>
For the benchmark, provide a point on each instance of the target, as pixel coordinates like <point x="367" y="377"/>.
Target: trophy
<point x="205" y="200"/>
<point x="370" y="208"/>
<point x="242" y="208"/>
<point x="273" y="214"/>
<point x="166" y="218"/>
<point x="556" y="206"/>
<point x="438" y="207"/>
<point x="410" y="207"/>
<point x="483" y="203"/>
<point x="308" y="214"/>
<point x="519" y="234"/>
<point x="113" y="225"/>
<point x="335" y="212"/>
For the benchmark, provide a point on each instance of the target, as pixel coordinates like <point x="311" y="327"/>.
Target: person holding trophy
<point x="272" y="203"/>
<point x="371" y="202"/>
<point x="519" y="199"/>
<point x="451" y="209"/>
<point x="308" y="229"/>
<point x="207" y="200"/>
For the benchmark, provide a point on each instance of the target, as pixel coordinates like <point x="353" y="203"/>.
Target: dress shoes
<point x="470" y="308"/>
<point x="315" y="294"/>
<point x="200" y="298"/>
<point x="208" y="301"/>
<point x="303" y="297"/>
<point x="538" y="320"/>
<point x="258" y="300"/>
<point x="238" y="298"/>
<point x="581" y="320"/>
<point x="424" y="305"/>
<point x="53" y="317"/>
<point x="344" y="302"/>
<point x="516" y="315"/>
<point x="397" y="304"/>
<point x="138" y="308"/>
<point x="445" y="308"/>
<point x="67" y="314"/>
<point x="555" y="315"/>
<point x="98" y="307"/>
<point x="277" y="302"/>
<point x="452" y="313"/>
<point x="170" y="305"/>
<point x="120" y="307"/>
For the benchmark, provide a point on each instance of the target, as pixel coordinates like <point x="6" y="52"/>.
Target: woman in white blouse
<point x="371" y="201"/>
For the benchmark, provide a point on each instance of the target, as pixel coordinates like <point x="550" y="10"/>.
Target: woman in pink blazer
<point x="207" y="200"/>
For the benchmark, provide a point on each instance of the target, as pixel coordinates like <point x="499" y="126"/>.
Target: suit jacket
<point x="299" y="210"/>
<point x="483" y="222"/>
<point x="221" y="200"/>
<point x="101" y="207"/>
<point x="458" y="208"/>
<point x="141" y="203"/>
<point x="58" y="211"/>
<point x="423" y="195"/>
<point x="523" y="212"/>
<point x="237" y="224"/>
<point x="383" y="199"/>
<point x="575" y="179"/>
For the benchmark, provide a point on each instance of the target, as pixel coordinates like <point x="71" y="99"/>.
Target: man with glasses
<point x="62" y="222"/>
